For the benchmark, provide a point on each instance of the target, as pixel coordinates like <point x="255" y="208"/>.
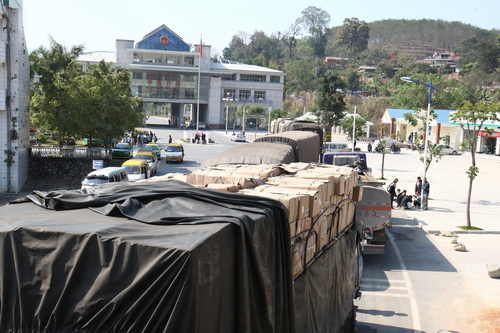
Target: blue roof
<point x="162" y="38"/>
<point x="443" y="116"/>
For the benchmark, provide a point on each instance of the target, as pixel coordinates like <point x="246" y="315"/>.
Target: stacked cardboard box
<point x="320" y="199"/>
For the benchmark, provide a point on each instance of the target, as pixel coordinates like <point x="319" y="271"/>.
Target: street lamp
<point x="302" y="98"/>
<point x="244" y="120"/>
<point x="356" y="96"/>
<point x="426" y="145"/>
<point x="268" y="113"/>
<point x="227" y="100"/>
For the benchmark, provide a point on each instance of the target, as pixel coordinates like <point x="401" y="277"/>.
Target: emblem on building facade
<point x="163" y="40"/>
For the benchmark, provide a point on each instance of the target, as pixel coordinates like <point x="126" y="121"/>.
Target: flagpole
<point x="200" y="50"/>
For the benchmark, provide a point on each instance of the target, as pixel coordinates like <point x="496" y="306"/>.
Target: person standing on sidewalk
<point x="418" y="186"/>
<point x="392" y="191"/>
<point x="425" y="194"/>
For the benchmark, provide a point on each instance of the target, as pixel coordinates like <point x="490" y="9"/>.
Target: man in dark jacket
<point x="425" y="194"/>
<point x="392" y="191"/>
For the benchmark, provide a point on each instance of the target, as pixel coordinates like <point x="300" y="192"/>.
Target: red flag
<point x="200" y="49"/>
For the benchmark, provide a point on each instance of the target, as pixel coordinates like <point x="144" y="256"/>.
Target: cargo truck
<point x="182" y="254"/>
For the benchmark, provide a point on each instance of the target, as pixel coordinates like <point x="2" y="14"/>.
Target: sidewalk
<point x="447" y="211"/>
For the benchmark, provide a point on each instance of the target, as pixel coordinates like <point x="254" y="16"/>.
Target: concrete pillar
<point x="438" y="133"/>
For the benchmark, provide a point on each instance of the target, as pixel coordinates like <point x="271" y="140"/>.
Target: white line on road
<point x="383" y="294"/>
<point x="378" y="286"/>
<point x="390" y="281"/>
<point x="413" y="300"/>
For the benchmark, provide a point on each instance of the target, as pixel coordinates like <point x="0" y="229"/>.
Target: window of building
<point x="259" y="94"/>
<point x="229" y="78"/>
<point x="231" y="93"/>
<point x="189" y="60"/>
<point x="244" y="94"/>
<point x="253" y="78"/>
<point x="275" y="79"/>
<point x="137" y="75"/>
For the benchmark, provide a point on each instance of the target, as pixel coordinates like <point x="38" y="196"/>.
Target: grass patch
<point x="464" y="227"/>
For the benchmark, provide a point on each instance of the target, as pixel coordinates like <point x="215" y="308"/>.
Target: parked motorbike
<point x="395" y="149"/>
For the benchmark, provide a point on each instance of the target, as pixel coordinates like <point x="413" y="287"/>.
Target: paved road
<point x="442" y="289"/>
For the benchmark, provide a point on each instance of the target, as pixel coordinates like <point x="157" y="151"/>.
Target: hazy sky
<point x="98" y="23"/>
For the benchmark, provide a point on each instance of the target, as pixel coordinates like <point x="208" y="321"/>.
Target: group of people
<point x="140" y="138"/>
<point x="200" y="137"/>
<point x="404" y="200"/>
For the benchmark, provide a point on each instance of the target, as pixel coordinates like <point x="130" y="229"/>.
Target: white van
<point x="335" y="147"/>
<point x="103" y="176"/>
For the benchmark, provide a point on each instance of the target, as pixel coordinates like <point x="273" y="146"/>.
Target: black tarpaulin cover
<point x="185" y="260"/>
<point x="305" y="144"/>
<point x="254" y="153"/>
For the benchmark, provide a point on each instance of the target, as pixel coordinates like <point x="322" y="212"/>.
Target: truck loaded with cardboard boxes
<point x="233" y="247"/>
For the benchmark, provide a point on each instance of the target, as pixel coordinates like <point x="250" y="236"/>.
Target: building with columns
<point x="166" y="73"/>
<point x="441" y="130"/>
<point x="14" y="98"/>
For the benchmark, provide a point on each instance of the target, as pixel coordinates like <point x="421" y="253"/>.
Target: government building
<point x="184" y="84"/>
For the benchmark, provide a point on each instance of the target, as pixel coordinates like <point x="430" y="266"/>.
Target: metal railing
<point x="72" y="152"/>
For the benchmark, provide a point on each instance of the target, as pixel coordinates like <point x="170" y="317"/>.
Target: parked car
<point x="202" y="125"/>
<point x="388" y="142"/>
<point x="137" y="169"/>
<point x="94" y="143"/>
<point x="447" y="150"/>
<point x="239" y="137"/>
<point x="122" y="150"/>
<point x="150" y="157"/>
<point x="174" y="153"/>
<point x="69" y="141"/>
<point x="103" y="176"/>
<point x="153" y="147"/>
<point x="335" y="147"/>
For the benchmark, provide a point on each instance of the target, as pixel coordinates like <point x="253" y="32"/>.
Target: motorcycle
<point x="395" y="149"/>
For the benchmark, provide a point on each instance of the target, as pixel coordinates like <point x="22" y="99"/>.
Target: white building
<point x="166" y="70"/>
<point x="14" y="98"/>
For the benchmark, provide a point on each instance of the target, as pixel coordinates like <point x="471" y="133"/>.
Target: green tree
<point x="108" y="108"/>
<point x="330" y="102"/>
<point x="354" y="35"/>
<point x="347" y="123"/>
<point x="54" y="74"/>
<point x="488" y="56"/>
<point x="301" y="75"/>
<point x="95" y="104"/>
<point x="316" y="20"/>
<point x="471" y="118"/>
<point x="290" y="36"/>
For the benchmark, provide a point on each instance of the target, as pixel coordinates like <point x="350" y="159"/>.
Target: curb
<point x="456" y="231"/>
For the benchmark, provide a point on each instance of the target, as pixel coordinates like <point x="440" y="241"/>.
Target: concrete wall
<point x="56" y="168"/>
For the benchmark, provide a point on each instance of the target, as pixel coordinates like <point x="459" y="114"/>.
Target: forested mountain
<point x="421" y="38"/>
<point x="371" y="57"/>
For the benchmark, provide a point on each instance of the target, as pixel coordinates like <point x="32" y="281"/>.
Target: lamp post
<point x="356" y="96"/>
<point x="227" y="100"/>
<point x="244" y="120"/>
<point x="268" y="113"/>
<point x="302" y="98"/>
<point x="426" y="144"/>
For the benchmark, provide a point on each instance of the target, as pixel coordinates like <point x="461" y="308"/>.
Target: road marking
<point x="383" y="294"/>
<point x="378" y="286"/>
<point x="413" y="300"/>
<point x="389" y="281"/>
